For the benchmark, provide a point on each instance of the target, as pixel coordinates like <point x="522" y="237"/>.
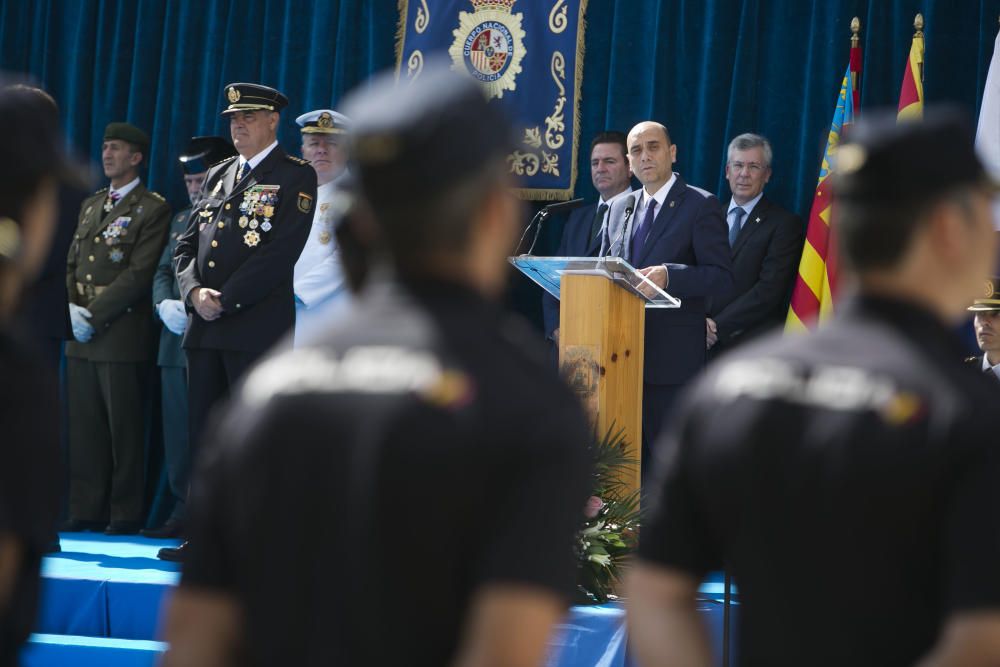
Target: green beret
<point x="129" y="133"/>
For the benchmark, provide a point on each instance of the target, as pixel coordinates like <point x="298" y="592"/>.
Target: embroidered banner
<point x="528" y="55"/>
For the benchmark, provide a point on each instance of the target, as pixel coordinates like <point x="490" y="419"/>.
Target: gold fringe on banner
<point x="404" y="9"/>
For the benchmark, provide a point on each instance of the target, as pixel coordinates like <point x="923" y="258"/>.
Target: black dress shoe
<point x="174" y="554"/>
<point x="80" y="525"/>
<point x="171" y="528"/>
<point x="122" y="528"/>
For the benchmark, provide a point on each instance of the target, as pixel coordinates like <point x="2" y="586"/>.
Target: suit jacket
<point x="576" y="242"/>
<point x="977" y="364"/>
<point x="247" y="255"/>
<point x="165" y="287"/>
<point x="691" y="239"/>
<point x="765" y="257"/>
<point x="110" y="270"/>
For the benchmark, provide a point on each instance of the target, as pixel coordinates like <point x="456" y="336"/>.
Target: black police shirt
<point x="851" y="481"/>
<point x="29" y="481"/>
<point x="362" y="488"/>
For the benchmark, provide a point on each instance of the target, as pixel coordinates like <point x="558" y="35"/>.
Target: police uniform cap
<point x="127" y="132"/>
<point x="890" y="162"/>
<point x="323" y="121"/>
<point x="252" y="97"/>
<point x="989" y="301"/>
<point x="414" y="142"/>
<point x="202" y="152"/>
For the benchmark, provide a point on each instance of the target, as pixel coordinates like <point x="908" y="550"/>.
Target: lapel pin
<point x="757" y="220"/>
<point x="672" y="204"/>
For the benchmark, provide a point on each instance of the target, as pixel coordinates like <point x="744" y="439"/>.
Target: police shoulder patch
<point x="296" y="160"/>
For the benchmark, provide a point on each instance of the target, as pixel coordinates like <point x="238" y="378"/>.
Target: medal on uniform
<point x="266" y="226"/>
<point x="116" y="255"/>
<point x="138" y="209"/>
<point x="251" y="238"/>
<point x="253" y="223"/>
<point x="244" y="221"/>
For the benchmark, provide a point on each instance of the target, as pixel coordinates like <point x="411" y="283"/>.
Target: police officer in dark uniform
<point x="850" y="478"/>
<point x="987" y="325"/>
<point x="236" y="260"/>
<point x="109" y="275"/>
<point x="403" y="489"/>
<point x="198" y="156"/>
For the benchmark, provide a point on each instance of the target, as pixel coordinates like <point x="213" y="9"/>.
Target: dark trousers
<point x="176" y="450"/>
<point x="212" y="374"/>
<point x="105" y="439"/>
<point x="657" y="403"/>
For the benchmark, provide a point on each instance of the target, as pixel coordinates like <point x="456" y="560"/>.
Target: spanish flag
<point x="911" y="95"/>
<point x="815" y="285"/>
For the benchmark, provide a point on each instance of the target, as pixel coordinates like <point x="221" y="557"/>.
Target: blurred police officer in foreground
<point x="33" y="166"/>
<point x="319" y="273"/>
<point x="109" y="275"/>
<point x="849" y="479"/>
<point x="199" y="154"/>
<point x="234" y="263"/>
<point x="403" y="489"/>
<point x="987" y="325"/>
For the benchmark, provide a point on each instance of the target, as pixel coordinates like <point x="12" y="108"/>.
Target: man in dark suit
<point x="987" y="325"/>
<point x="109" y="276"/>
<point x="236" y="260"/>
<point x="610" y="173"/>
<point x="676" y="235"/>
<point x="200" y="154"/>
<point x="766" y="243"/>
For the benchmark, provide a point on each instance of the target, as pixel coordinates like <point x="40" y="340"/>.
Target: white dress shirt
<point x="988" y="367"/>
<point x="256" y="159"/>
<point x="125" y="189"/>
<point x="660" y="196"/>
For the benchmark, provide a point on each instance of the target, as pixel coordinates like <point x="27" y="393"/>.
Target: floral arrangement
<point x="610" y="529"/>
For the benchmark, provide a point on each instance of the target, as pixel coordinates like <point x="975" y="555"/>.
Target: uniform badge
<point x="218" y="186"/>
<point x="244" y="221"/>
<point x="489" y="45"/>
<point x="325" y="120"/>
<point x="266" y="226"/>
<point x="89" y="209"/>
<point x="138" y="209"/>
<point x="251" y="238"/>
<point x="253" y="223"/>
<point x="305" y="202"/>
<point x="116" y="255"/>
<point x="324" y="237"/>
<point x="233" y="95"/>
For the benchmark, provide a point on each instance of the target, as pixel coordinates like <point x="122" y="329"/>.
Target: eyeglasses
<point x="752" y="167"/>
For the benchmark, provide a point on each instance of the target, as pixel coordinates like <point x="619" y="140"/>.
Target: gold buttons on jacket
<point x="91" y="258"/>
<point x="89" y="277"/>
<point x="97" y="239"/>
<point x="228" y="206"/>
<point x="221" y="224"/>
<point x="215" y="244"/>
<point x="211" y="264"/>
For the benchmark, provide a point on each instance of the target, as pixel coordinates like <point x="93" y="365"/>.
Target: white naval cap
<point x="323" y="121"/>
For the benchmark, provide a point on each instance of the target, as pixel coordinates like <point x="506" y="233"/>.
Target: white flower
<point x="603" y="560"/>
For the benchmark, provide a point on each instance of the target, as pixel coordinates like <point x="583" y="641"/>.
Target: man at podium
<point x="677" y="236"/>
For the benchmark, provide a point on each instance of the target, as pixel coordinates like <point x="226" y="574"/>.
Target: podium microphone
<point x="540" y="217"/>
<point x="629" y="208"/>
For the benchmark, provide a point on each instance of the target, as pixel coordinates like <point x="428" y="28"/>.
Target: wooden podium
<point x="602" y="315"/>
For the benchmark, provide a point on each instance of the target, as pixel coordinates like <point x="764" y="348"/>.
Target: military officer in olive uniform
<point x="235" y="262"/>
<point x="319" y="274"/>
<point x="987" y="325"/>
<point x="200" y="154"/>
<point x="109" y="275"/>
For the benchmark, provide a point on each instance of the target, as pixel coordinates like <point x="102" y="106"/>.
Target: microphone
<point x="540" y="217"/>
<point x="629" y="208"/>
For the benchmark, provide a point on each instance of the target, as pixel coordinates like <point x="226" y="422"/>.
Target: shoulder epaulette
<point x="223" y="161"/>
<point x="296" y="160"/>
<point x="156" y="195"/>
<point x="970" y="360"/>
<point x="100" y="192"/>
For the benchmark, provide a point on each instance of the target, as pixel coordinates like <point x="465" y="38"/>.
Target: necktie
<point x="241" y="172"/>
<point x="112" y="199"/>
<point x="595" y="226"/>
<point x="734" y="231"/>
<point x="642" y="231"/>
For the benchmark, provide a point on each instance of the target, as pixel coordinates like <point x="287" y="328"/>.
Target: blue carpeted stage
<point x="102" y="598"/>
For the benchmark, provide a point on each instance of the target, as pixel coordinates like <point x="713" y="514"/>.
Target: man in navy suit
<point x="677" y="236"/>
<point x="766" y="245"/>
<point x="581" y="237"/>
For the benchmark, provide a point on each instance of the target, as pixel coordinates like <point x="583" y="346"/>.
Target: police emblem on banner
<point x="528" y="57"/>
<point x="489" y="45"/>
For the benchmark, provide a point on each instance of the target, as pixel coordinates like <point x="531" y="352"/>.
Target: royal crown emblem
<point x="489" y="45"/>
<point x="325" y="120"/>
<point x="233" y="95"/>
<point x="989" y="291"/>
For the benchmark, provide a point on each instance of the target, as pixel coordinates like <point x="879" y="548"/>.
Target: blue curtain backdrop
<point x="709" y="69"/>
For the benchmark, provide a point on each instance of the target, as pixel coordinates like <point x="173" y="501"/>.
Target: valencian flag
<point x="816" y="282"/>
<point x="528" y="56"/>
<point x="911" y="95"/>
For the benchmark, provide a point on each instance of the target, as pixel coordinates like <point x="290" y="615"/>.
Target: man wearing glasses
<point x="766" y="243"/>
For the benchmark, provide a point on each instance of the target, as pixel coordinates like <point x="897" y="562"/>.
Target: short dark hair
<point x="611" y="137"/>
<point x="876" y="235"/>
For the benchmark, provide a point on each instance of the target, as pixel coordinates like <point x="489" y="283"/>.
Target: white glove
<point x="82" y="330"/>
<point x="174" y="315"/>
